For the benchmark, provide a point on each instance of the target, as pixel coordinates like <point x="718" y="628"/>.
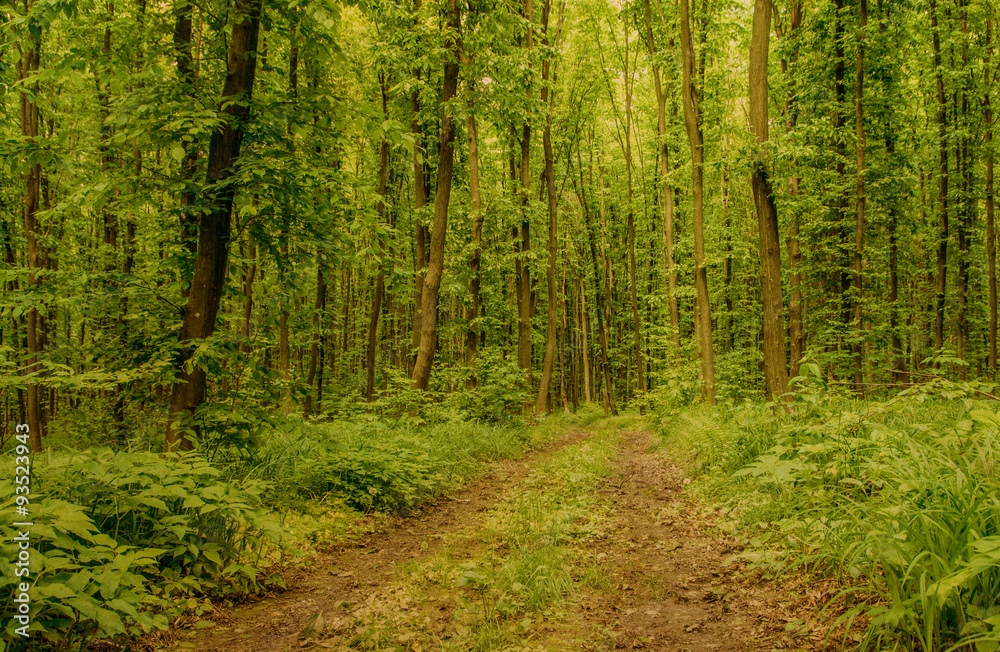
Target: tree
<point x="446" y="153"/>
<point x="775" y="369"/>
<point x="692" y="123"/>
<point x="211" y="258"/>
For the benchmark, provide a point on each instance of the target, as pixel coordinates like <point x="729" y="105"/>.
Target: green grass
<point x="899" y="499"/>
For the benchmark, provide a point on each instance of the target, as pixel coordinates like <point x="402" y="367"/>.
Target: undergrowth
<point x="123" y="541"/>
<point x="899" y="499"/>
<point x="506" y="577"/>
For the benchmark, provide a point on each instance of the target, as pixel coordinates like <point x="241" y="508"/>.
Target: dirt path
<point x="671" y="588"/>
<point x="346" y="575"/>
<point x="642" y="568"/>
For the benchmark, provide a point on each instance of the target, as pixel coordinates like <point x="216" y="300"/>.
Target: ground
<point x="588" y="543"/>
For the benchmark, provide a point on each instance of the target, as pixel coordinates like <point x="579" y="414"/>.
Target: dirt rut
<point x="669" y="587"/>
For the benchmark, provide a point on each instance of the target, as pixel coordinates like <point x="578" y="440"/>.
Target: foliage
<point x="376" y="465"/>
<point x="898" y="498"/>
<point x="121" y="539"/>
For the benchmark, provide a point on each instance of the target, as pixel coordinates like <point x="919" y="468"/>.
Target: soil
<point x="670" y="586"/>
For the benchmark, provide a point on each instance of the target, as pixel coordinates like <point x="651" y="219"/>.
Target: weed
<point x="898" y="499"/>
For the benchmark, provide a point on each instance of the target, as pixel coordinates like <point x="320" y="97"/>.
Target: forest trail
<point x="587" y="543"/>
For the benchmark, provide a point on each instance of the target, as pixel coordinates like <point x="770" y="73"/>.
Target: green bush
<point x="119" y="537"/>
<point x="380" y="466"/>
<point x="901" y="499"/>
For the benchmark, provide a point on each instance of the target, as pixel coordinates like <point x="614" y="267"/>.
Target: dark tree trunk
<point x="472" y="337"/>
<point x="376" y="310"/>
<point x="548" y="98"/>
<point x="860" y="200"/>
<point x="991" y="234"/>
<point x="692" y="122"/>
<point x="435" y="268"/>
<point x="211" y="258"/>
<point x="27" y="66"/>
<point x="775" y="370"/>
<point x="942" y="120"/>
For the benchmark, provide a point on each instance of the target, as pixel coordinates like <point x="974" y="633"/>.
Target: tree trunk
<point x="899" y="361"/>
<point x="472" y="337"/>
<point x="316" y="348"/>
<point x="383" y="179"/>
<point x="859" y="214"/>
<point x="186" y="76"/>
<point x="435" y="268"/>
<point x="775" y="370"/>
<point x="419" y="201"/>
<point x="602" y="327"/>
<point x="548" y="98"/>
<point x="669" y="271"/>
<point x="991" y="234"/>
<point x="210" y="266"/>
<point x="942" y="120"/>
<point x="796" y="307"/>
<point x="248" y="290"/>
<point x="692" y="122"/>
<point x="30" y="48"/>
<point x="965" y="214"/>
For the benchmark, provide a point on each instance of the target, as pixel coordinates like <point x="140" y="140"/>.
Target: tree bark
<point x="991" y="234"/>
<point x="376" y="310"/>
<point x="435" y="268"/>
<point x="775" y="369"/>
<point x="316" y="348"/>
<point x="472" y="337"/>
<point x="186" y="76"/>
<point x="211" y="258"/>
<point x="522" y="271"/>
<point x="419" y="201"/>
<point x="860" y="200"/>
<point x="548" y="98"/>
<point x="692" y="123"/>
<point x="30" y="49"/>
<point x="796" y="306"/>
<point x="669" y="270"/>
<point x="966" y="208"/>
<point x="942" y="120"/>
<point x="899" y="361"/>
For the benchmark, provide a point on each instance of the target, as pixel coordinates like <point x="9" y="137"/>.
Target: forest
<point x="280" y="278"/>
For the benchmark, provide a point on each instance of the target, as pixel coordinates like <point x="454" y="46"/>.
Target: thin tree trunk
<point x="899" y="361"/>
<point x="30" y="48"/>
<point x="796" y="312"/>
<point x="966" y="212"/>
<point x="991" y="235"/>
<point x="633" y="280"/>
<point x="212" y="255"/>
<point x="435" y="268"/>
<point x="602" y="326"/>
<point x="183" y="10"/>
<point x="472" y="334"/>
<point x="523" y="282"/>
<point x="859" y="215"/>
<point x="248" y="289"/>
<point x="419" y="201"/>
<point x="840" y="200"/>
<point x="376" y="310"/>
<point x="942" y="120"/>
<point x="669" y="271"/>
<point x="692" y="122"/>
<point x="316" y="347"/>
<point x="585" y="345"/>
<point x="548" y="98"/>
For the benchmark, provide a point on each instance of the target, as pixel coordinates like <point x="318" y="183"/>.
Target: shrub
<point x="118" y="537"/>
